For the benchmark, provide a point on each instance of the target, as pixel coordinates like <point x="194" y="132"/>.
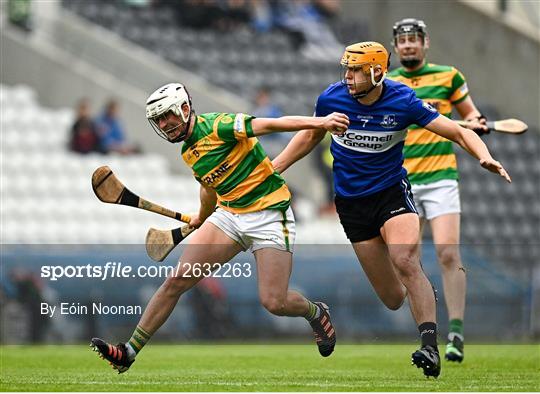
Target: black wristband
<point x="479" y="117"/>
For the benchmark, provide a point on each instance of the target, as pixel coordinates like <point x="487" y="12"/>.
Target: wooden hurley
<point x="159" y="243"/>
<point x="109" y="189"/>
<point x="508" y="126"/>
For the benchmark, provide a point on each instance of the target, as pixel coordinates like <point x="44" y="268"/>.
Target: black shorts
<point x="363" y="217"/>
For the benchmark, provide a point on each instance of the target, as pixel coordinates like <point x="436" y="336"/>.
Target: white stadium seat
<point x="47" y="194"/>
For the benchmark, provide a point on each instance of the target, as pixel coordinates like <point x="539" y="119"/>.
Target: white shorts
<point x="269" y="228"/>
<point x="437" y="198"/>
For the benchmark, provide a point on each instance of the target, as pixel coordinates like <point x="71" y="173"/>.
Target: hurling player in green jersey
<point x="244" y="205"/>
<point x="431" y="163"/>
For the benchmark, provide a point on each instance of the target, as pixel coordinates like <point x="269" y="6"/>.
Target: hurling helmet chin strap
<point x="373" y="82"/>
<point x="182" y="136"/>
<point x="364" y="93"/>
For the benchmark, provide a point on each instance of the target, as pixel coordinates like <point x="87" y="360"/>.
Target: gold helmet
<point x="366" y="55"/>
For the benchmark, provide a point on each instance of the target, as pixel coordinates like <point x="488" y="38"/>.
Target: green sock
<point x="138" y="339"/>
<point x="313" y="311"/>
<point x="456" y="326"/>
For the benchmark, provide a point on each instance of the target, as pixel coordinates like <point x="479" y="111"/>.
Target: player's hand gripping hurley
<point x="508" y="126"/>
<point x="159" y="243"/>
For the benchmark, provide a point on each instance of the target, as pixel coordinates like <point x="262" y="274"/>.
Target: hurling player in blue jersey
<point x="373" y="196"/>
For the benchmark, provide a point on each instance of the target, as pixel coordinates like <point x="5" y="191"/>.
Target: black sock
<point x="428" y="334"/>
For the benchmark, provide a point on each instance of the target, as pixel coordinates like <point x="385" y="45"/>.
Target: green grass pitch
<point x="267" y="368"/>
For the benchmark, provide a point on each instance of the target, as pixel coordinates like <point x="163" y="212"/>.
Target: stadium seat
<point x="49" y="197"/>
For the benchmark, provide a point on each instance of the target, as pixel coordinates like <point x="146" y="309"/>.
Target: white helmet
<point x="170" y="97"/>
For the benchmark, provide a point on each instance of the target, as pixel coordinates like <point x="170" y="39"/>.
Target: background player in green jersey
<point x="253" y="212"/>
<point x="431" y="163"/>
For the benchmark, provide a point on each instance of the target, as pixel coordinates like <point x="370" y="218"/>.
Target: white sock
<point x="318" y="313"/>
<point x="452" y="335"/>
<point x="130" y="352"/>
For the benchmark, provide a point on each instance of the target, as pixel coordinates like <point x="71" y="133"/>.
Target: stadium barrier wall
<point x="227" y="307"/>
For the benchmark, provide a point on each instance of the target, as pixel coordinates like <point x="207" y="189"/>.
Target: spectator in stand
<point x="194" y="13"/>
<point x="262" y="15"/>
<point x="264" y="107"/>
<point x="222" y="15"/>
<point x="84" y="133"/>
<point x="111" y="131"/>
<point x="308" y="28"/>
<point x="273" y="144"/>
<point x="329" y="9"/>
<point x="237" y="14"/>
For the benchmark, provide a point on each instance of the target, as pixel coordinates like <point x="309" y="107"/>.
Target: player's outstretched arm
<point x="300" y="145"/>
<point x="334" y="121"/>
<point x="208" y="199"/>
<point x="469" y="141"/>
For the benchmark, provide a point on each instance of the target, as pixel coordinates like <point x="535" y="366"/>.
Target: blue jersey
<point x="369" y="157"/>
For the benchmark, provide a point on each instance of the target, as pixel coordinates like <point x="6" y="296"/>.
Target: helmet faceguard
<point x="164" y="101"/>
<point x="411" y="27"/>
<point x="365" y="56"/>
